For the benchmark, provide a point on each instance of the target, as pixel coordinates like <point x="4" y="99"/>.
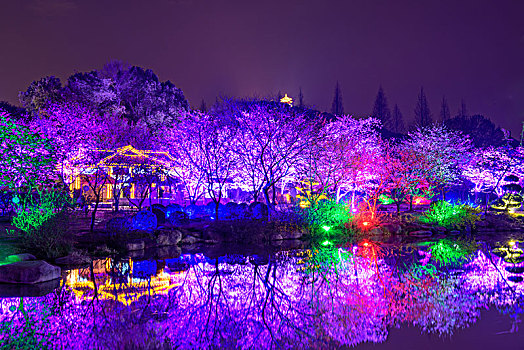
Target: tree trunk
<point x="93" y="214"/>
<point x="268" y="201"/>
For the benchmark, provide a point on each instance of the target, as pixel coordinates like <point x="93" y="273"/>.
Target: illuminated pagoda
<point x="287" y="99"/>
<point x="123" y="167"/>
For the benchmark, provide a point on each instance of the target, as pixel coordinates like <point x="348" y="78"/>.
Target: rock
<point x="73" y="260"/>
<point x="421" y="233"/>
<point x="515" y="279"/>
<point x="178" y="218"/>
<point x="243" y="210"/>
<point x="515" y="269"/>
<point x="136" y="244"/>
<point x="166" y="238"/>
<point x="159" y="207"/>
<point x="193" y="211"/>
<point x="11" y="290"/>
<point x="232" y="210"/>
<point x="145" y="220"/>
<point x="277" y="237"/>
<point x="392" y="228"/>
<point x="376" y="231"/>
<point x="160" y="215"/>
<point x="188" y="240"/>
<point x="165" y="252"/>
<point x="20" y="257"/>
<point x="28" y="272"/>
<point x="258" y="210"/>
<point x="118" y="225"/>
<point x="440" y="229"/>
<point x="294" y="234"/>
<point x="171" y="209"/>
<point x="136" y="254"/>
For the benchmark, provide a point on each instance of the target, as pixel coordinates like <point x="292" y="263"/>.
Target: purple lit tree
<point x="270" y="145"/>
<point x="445" y="150"/>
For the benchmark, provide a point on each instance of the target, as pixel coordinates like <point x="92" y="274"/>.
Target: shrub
<point x="451" y="215"/>
<point x="34" y="213"/>
<point x="447" y="252"/>
<point x="326" y="215"/>
<point x="49" y="240"/>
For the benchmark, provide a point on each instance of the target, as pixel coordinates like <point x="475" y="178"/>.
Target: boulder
<point x="277" y="237"/>
<point x="73" y="261"/>
<point x="243" y="210"/>
<point x="118" y="225"/>
<point x="160" y="215"/>
<point x="258" y="210"/>
<point x="189" y="240"/>
<point x="28" y="272"/>
<point x="297" y="234"/>
<point x="145" y="220"/>
<point x="20" y="257"/>
<point x="392" y="228"/>
<point x="11" y="290"/>
<point x="515" y="269"/>
<point x="515" y="279"/>
<point x="166" y="238"/>
<point x="193" y="211"/>
<point x="178" y="218"/>
<point x="171" y="209"/>
<point x="421" y="233"/>
<point x="159" y="207"/>
<point x="136" y="244"/>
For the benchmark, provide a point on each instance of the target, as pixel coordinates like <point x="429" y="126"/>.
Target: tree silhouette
<point x="444" y="110"/>
<point x="300" y="98"/>
<point x="337" y="107"/>
<point x="203" y="106"/>
<point x="381" y="110"/>
<point x="397" y="120"/>
<point x="422" y="112"/>
<point x="462" y="112"/>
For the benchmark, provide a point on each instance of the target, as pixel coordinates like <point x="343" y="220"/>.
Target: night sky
<point x="462" y="49"/>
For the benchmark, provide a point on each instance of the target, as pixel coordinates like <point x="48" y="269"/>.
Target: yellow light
<point x="286" y="99"/>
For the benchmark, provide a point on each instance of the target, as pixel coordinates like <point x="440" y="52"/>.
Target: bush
<point x="447" y="252"/>
<point x="50" y="239"/>
<point x="326" y="215"/>
<point x="451" y="215"/>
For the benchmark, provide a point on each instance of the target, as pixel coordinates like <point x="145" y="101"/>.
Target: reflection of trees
<point x="343" y="297"/>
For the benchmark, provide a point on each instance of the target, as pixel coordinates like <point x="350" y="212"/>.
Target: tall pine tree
<point x="422" y="112"/>
<point x="444" y="110"/>
<point x="337" y="108"/>
<point x="397" y="120"/>
<point x="382" y="111"/>
<point x="462" y="112"/>
<point x="300" y="98"/>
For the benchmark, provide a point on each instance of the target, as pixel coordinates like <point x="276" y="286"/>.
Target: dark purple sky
<point x="462" y="49"/>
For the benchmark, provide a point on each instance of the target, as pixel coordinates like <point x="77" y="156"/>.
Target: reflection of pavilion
<point x="125" y="281"/>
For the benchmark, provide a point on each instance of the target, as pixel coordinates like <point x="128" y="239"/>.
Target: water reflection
<point x="325" y="297"/>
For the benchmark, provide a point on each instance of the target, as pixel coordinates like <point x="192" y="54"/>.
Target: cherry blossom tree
<point x="270" y="146"/>
<point x="445" y="150"/>
<point x="341" y="157"/>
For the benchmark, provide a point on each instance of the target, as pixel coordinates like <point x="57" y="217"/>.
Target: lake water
<point x="363" y="293"/>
